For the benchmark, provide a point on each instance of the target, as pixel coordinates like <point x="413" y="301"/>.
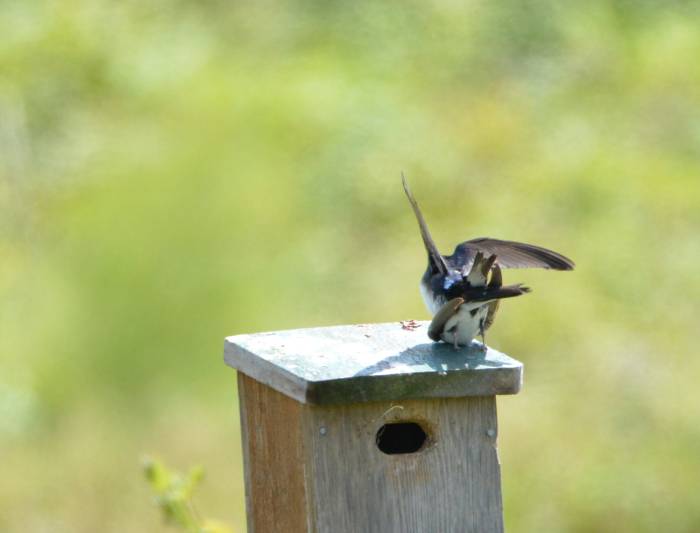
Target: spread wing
<point x="436" y="260"/>
<point x="496" y="281"/>
<point x="512" y="254"/>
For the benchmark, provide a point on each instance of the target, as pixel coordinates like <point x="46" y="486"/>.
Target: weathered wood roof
<point x="370" y="362"/>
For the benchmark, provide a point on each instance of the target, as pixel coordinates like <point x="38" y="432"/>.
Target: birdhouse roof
<point x="370" y="362"/>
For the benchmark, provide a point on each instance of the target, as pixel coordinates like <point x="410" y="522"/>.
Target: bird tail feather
<point x="499" y="293"/>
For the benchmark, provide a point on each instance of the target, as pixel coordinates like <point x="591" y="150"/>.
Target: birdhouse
<point x="370" y="428"/>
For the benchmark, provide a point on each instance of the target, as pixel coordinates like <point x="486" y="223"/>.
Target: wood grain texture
<point x="273" y="457"/>
<point x="450" y="486"/>
<point x="370" y="362"/>
<point x="317" y="469"/>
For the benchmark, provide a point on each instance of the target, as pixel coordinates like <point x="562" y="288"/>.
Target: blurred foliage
<point x="174" y="496"/>
<point x="174" y="172"/>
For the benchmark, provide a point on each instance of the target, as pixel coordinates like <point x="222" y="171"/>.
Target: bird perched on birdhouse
<point x="463" y="290"/>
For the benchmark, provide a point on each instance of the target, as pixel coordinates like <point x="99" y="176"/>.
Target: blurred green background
<point x="175" y="172"/>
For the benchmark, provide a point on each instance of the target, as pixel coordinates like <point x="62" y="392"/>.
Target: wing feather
<point x="447" y="311"/>
<point x="512" y="254"/>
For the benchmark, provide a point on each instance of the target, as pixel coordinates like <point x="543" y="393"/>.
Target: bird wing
<point x="513" y="254"/>
<point x="436" y="259"/>
<point x="491" y="314"/>
<point x="495" y="281"/>
<point x="446" y="312"/>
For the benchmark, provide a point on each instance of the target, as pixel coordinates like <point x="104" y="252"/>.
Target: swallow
<point x="463" y="290"/>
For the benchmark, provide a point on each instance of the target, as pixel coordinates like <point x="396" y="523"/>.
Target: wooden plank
<point x="370" y="362"/>
<point x="318" y="469"/>
<point x="271" y="429"/>
<point x="451" y="486"/>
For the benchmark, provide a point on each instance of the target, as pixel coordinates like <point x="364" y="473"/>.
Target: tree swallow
<point x="463" y="290"/>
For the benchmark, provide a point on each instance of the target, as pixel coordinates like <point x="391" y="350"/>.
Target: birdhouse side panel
<point x="450" y="484"/>
<point x="273" y="451"/>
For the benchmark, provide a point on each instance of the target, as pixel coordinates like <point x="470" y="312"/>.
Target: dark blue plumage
<point x="463" y="290"/>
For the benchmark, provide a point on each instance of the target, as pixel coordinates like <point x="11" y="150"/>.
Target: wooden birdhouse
<point x="369" y="428"/>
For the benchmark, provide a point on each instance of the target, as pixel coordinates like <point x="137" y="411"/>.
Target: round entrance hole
<point x="400" y="437"/>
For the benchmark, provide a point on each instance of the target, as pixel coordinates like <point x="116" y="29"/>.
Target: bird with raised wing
<point x="463" y="290"/>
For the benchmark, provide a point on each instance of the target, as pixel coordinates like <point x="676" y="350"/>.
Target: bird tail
<point x="489" y="294"/>
<point x="479" y="271"/>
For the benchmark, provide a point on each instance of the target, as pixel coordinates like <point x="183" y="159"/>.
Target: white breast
<point x="463" y="325"/>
